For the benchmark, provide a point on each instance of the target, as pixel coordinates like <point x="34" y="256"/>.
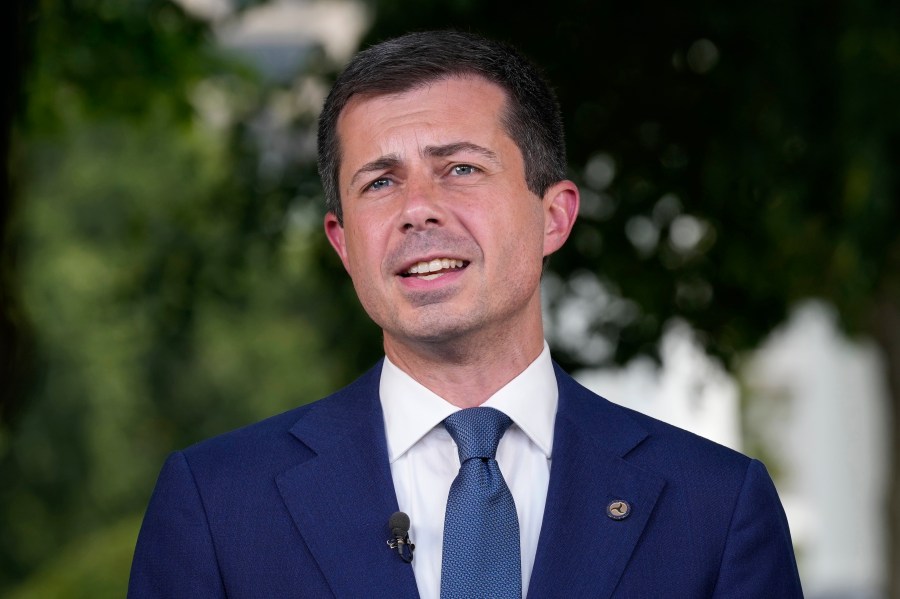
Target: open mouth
<point x="434" y="268"/>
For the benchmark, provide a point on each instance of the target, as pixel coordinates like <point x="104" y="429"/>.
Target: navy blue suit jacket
<point x="297" y="506"/>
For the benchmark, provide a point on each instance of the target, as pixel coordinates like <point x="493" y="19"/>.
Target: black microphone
<point x="399" y="525"/>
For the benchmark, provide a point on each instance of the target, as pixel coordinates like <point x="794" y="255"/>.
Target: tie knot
<point x="477" y="431"/>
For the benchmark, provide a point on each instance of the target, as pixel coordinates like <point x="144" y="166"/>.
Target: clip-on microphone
<point x="399" y="525"/>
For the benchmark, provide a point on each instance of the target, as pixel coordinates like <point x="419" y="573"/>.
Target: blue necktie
<point x="482" y="556"/>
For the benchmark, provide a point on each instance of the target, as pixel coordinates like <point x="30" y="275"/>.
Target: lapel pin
<point x="618" y="509"/>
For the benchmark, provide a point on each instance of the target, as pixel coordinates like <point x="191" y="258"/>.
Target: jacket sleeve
<point x="758" y="559"/>
<point x="175" y="557"/>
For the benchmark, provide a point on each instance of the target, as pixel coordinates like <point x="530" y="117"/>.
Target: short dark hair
<point x="531" y="118"/>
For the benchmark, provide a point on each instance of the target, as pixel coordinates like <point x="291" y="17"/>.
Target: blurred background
<point x="164" y="277"/>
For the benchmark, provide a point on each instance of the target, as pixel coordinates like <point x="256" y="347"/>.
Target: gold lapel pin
<point x="618" y="509"/>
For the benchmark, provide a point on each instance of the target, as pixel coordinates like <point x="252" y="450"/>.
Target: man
<point x="442" y="159"/>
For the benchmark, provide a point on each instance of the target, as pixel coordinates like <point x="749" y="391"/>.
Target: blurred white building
<point x="690" y="391"/>
<point x="816" y="412"/>
<point x="820" y="402"/>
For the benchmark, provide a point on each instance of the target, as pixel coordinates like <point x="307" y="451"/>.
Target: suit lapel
<point x="582" y="552"/>
<point x="341" y="498"/>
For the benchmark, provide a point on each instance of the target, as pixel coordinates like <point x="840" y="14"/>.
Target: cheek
<point x="525" y="229"/>
<point x="357" y="249"/>
<point x="362" y="254"/>
<point x="510" y="236"/>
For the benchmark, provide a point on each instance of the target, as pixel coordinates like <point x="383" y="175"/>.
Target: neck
<point x="466" y="372"/>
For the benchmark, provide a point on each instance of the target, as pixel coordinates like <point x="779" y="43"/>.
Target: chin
<point x="433" y="330"/>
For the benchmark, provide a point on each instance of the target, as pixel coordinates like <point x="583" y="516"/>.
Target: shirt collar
<point x="411" y="410"/>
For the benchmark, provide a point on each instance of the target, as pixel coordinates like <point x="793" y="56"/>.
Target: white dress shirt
<point x="424" y="460"/>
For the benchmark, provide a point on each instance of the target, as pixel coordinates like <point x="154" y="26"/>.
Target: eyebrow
<point x="461" y="146"/>
<point x="389" y="161"/>
<point x="381" y="163"/>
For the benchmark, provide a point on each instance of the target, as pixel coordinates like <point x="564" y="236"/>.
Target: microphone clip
<point x="403" y="547"/>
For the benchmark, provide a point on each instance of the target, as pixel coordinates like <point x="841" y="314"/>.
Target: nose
<point x="422" y="207"/>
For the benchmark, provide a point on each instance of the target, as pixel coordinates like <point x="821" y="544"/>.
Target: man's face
<point x="441" y="235"/>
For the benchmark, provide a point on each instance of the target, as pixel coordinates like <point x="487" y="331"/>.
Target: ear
<point x="335" y="233"/>
<point x="560" y="210"/>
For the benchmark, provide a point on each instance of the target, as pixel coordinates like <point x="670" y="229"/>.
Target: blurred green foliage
<point x="733" y="159"/>
<point x="167" y="279"/>
<point x="97" y="566"/>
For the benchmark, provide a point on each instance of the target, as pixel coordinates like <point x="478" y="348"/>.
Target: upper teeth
<point x="435" y="265"/>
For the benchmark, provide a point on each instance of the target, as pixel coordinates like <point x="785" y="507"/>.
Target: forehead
<point x="439" y="111"/>
<point x="462" y="85"/>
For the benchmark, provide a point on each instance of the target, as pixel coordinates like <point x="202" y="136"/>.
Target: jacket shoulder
<point x="270" y="445"/>
<point x="654" y="444"/>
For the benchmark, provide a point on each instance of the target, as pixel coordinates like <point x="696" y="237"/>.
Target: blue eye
<point x="463" y="169"/>
<point x="379" y="183"/>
